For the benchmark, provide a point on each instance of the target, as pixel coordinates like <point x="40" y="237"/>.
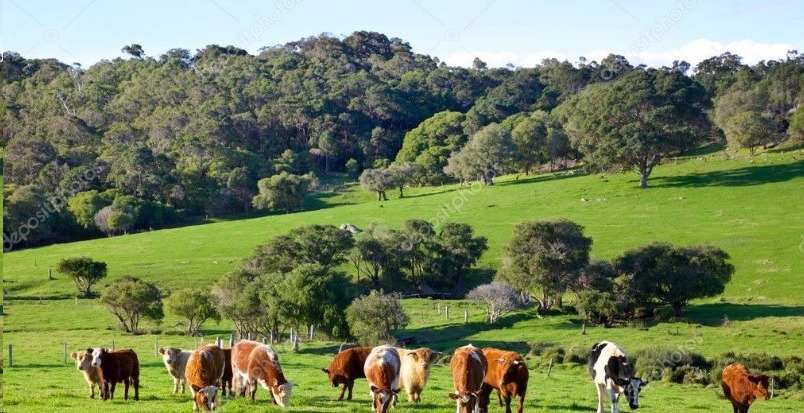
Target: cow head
<point x="170" y="355"/>
<point x="83" y="360"/>
<point x="281" y="392"/>
<point x="761" y="387"/>
<point x="632" y="389"/>
<point x="332" y="377"/>
<point x="466" y="402"/>
<point x="509" y="368"/>
<point x="423" y="357"/>
<point x="205" y="397"/>
<point x="97" y="355"/>
<point x="382" y="398"/>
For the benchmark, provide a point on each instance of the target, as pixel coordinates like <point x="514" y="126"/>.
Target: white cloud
<point x="698" y="50"/>
<point x="693" y="52"/>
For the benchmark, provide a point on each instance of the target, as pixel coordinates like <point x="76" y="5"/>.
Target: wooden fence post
<point x="10" y="355"/>
<point x="112" y="345"/>
<point x="50" y="273"/>
<point x="156" y="346"/>
<point x="231" y="340"/>
<point x="219" y="342"/>
<point x="549" y="367"/>
<point x="465" y="316"/>
<point x="446" y="312"/>
<point x="265" y="340"/>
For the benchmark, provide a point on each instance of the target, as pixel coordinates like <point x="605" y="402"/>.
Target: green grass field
<point x="751" y="208"/>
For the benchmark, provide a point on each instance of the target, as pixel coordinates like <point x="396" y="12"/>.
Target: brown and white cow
<point x="415" y="370"/>
<point x="120" y="366"/>
<point x="175" y="360"/>
<point x="204" y="371"/>
<point x="469" y="368"/>
<point x="254" y="363"/>
<point x="346" y="367"/>
<point x="382" y="372"/>
<point x="508" y="374"/>
<point x="83" y="362"/>
<point x="742" y="388"/>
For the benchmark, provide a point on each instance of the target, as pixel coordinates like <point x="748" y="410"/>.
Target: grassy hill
<point x="750" y="208"/>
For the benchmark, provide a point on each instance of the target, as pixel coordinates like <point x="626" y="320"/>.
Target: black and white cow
<point x="612" y="373"/>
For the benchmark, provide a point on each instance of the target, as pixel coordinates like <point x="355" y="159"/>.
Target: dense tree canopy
<point x="637" y="120"/>
<point x="191" y="134"/>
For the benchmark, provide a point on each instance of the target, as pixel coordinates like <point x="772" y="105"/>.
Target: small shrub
<point x="753" y="361"/>
<point x="663" y="364"/>
<point x="547" y="351"/>
<point x="577" y="354"/>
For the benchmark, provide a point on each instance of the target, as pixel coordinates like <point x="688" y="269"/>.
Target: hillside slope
<point x="752" y="209"/>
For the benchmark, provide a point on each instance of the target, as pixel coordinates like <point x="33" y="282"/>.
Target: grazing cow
<point x="83" y="362"/>
<point x="469" y="368"/>
<point x="175" y="360"/>
<point x="346" y="367"/>
<point x="204" y="371"/>
<point x="227" y="373"/>
<point x="253" y="363"/>
<point x="507" y="374"/>
<point x="742" y="388"/>
<point x="120" y="366"/>
<point x="415" y="370"/>
<point x="613" y="374"/>
<point x="382" y="372"/>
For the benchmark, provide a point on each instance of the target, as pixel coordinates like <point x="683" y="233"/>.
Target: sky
<point x="499" y="32"/>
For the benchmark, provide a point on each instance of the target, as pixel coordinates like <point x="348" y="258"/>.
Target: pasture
<point x="750" y="208"/>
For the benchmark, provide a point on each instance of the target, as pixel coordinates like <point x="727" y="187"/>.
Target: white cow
<point x="175" y="360"/>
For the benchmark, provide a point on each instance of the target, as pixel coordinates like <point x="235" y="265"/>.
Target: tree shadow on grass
<point x="747" y="176"/>
<point x="714" y="314"/>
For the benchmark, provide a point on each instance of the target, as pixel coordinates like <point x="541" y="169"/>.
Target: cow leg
<point x="507" y="403"/>
<point x="600" y="390"/>
<point x="520" y="403"/>
<point x="350" y="384"/>
<point x="91" y="390"/>
<point x="615" y="397"/>
<point x="343" y="390"/>
<point x="135" y="381"/>
<point x="126" y="383"/>
<point x="110" y="390"/>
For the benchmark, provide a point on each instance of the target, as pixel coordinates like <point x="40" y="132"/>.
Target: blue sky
<point x="521" y="32"/>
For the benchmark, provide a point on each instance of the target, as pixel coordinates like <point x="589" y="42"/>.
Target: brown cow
<point x="742" y="388"/>
<point x="382" y="372"/>
<point x="507" y="374"/>
<point x="204" y="372"/>
<point x="121" y="366"/>
<point x="227" y="373"/>
<point x="469" y="368"/>
<point x="346" y="367"/>
<point x="253" y="363"/>
<point x="415" y="370"/>
<point x="83" y="362"/>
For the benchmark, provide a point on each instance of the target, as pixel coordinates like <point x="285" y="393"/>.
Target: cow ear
<point x="454" y="396"/>
<point x="90" y="350"/>
<point x="325" y="370"/>
<point x="74" y="355"/>
<point x="162" y="350"/>
<point x="643" y="382"/>
<point x="195" y="388"/>
<point x="754" y="378"/>
<point x="374" y="389"/>
<point x="415" y="356"/>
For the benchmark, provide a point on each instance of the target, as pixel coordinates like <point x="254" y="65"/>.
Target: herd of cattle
<point x="475" y="373"/>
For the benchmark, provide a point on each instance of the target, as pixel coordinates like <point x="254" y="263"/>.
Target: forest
<point x="148" y="142"/>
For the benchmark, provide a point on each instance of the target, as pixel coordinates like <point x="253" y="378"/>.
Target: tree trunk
<point x="677" y="309"/>
<point x="401" y="195"/>
<point x="643" y="179"/>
